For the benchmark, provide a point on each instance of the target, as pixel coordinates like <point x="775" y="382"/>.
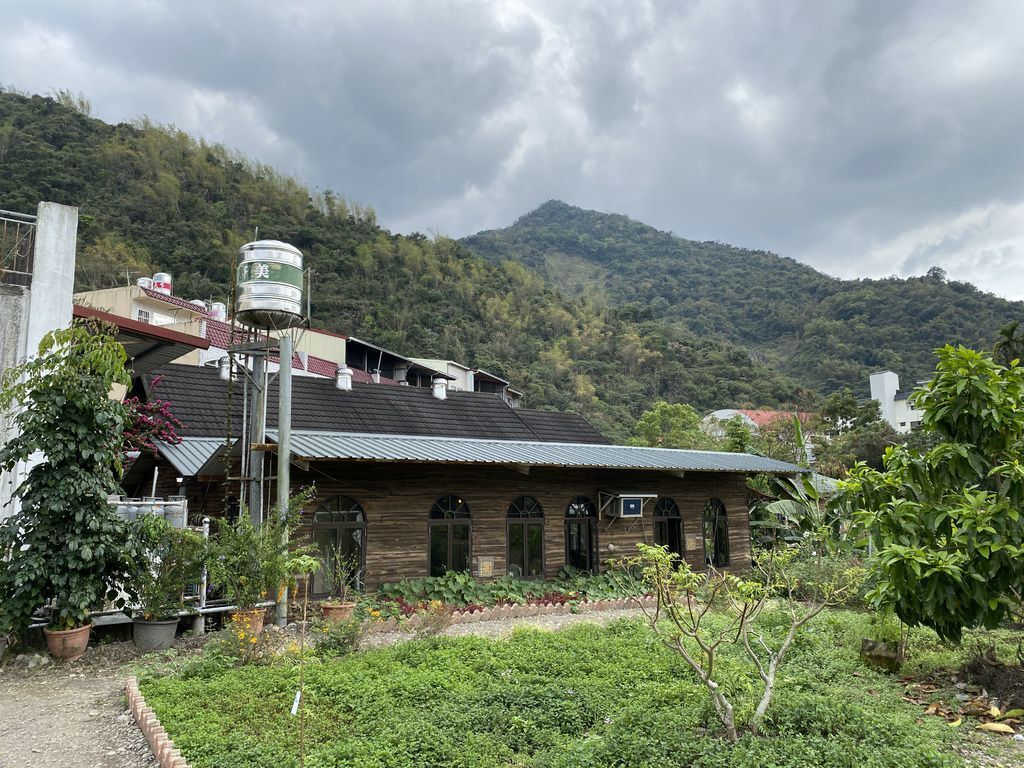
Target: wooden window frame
<point x="340" y="525"/>
<point x="524" y="517"/>
<point x="674" y="515"/>
<point x="592" y="531"/>
<point x="715" y="512"/>
<point x="449" y="519"/>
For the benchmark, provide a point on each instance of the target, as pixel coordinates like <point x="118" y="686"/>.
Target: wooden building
<point x="415" y="482"/>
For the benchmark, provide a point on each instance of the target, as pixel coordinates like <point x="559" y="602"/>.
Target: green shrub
<point x="336" y="638"/>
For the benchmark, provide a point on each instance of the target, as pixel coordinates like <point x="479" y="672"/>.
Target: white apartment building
<point x="893" y="403"/>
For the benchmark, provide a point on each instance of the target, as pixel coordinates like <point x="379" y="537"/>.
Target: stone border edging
<point x="498" y="612"/>
<point x="163" y="748"/>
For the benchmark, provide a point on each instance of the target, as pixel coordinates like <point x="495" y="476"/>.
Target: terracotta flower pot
<point x="69" y="644"/>
<point x="337" y="612"/>
<point x="250" y="621"/>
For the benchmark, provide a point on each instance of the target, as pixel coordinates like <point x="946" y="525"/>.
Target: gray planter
<point x="154" y="635"/>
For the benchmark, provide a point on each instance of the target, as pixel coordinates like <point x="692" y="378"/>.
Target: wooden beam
<point x="523" y="469"/>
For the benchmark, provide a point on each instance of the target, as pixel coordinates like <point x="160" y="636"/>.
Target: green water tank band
<point x="270" y="272"/>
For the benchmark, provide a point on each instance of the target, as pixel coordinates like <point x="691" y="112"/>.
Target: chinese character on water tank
<point x="263" y="271"/>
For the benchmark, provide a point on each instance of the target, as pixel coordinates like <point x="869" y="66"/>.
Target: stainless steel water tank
<point x="269" y="285"/>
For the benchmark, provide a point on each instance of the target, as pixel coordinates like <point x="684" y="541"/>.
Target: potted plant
<point x="342" y="572"/>
<point x="65" y="547"/>
<point x="253" y="563"/>
<point x="170" y="560"/>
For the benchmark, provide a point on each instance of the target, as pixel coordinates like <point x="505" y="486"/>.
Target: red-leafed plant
<point x="149" y="422"/>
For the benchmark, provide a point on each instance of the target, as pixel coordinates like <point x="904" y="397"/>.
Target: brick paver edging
<point x="163" y="748"/>
<point x="498" y="612"/>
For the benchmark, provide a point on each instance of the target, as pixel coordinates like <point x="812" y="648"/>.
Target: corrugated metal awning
<point x="358" y="446"/>
<point x="192" y="454"/>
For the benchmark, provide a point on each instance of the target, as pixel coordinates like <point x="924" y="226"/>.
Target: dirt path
<point x="58" y="717"/>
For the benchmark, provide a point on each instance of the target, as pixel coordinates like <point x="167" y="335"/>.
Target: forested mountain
<point x="824" y="332"/>
<point x="154" y="198"/>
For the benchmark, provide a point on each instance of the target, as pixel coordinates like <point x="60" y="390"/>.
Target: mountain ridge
<point x="153" y="198"/>
<point x="826" y="331"/>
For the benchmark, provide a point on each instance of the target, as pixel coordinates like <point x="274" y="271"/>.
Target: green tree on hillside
<point x="1010" y="344"/>
<point x="671" y="425"/>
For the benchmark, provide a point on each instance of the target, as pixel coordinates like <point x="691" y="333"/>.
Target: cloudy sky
<point x="863" y="138"/>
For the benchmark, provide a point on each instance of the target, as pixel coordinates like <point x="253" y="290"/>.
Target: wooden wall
<point x="397" y="499"/>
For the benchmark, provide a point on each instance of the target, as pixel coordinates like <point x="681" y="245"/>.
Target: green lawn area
<point x="586" y="696"/>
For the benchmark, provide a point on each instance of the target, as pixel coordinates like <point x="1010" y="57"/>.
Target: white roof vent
<point x="343" y="381"/>
<point x="440" y="388"/>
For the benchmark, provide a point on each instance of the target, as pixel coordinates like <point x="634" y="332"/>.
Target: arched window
<point x="581" y="534"/>
<point x="339" y="530"/>
<point x="449" y="536"/>
<point x="716" y="534"/>
<point x="525" y="538"/>
<point x="668" y="525"/>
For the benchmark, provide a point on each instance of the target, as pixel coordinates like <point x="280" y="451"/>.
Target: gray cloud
<point x="864" y="138"/>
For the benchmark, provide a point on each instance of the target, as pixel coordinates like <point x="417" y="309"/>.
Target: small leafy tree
<point x="738" y="437"/>
<point x="66" y="543"/>
<point x="671" y="425"/>
<point x="173" y="560"/>
<point x="342" y="572"/>
<point x="946" y="522"/>
<point x="252" y="562"/>
<point x="687" y="616"/>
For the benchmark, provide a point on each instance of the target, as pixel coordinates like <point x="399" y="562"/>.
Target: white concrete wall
<point x="884" y="386"/>
<point x="905" y="416"/>
<point x="47" y="306"/>
<point x="53" y="271"/>
<point x="13" y="326"/>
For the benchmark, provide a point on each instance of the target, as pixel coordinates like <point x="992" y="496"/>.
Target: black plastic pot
<point x="154" y="635"/>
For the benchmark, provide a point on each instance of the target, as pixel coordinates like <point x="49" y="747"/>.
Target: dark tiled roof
<point x="199" y="398"/>
<point x="560" y="427"/>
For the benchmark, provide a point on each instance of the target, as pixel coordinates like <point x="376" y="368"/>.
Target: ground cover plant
<point x="586" y="696"/>
<point x="461" y="590"/>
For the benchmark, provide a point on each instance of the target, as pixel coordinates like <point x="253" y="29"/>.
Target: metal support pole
<point x="198" y="621"/>
<point x="257" y="434"/>
<point x="284" y="449"/>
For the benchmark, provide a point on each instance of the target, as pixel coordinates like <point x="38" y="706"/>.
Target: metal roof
<point x="359" y="446"/>
<point x="191" y="454"/>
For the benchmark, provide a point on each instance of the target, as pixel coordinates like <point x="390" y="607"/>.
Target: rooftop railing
<point x="17" y="247"/>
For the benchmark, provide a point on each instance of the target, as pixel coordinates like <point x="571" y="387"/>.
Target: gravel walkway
<point x="68" y="715"/>
<point x="503" y="627"/>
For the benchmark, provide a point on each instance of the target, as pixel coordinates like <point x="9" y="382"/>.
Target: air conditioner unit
<point x="625" y="504"/>
<point x="631" y="506"/>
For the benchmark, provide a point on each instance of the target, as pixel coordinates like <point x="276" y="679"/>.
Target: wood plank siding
<point x="397" y="499"/>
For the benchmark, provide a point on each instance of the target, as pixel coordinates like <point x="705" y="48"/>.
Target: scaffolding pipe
<point x="257" y="434"/>
<point x="198" y="622"/>
<point x="284" y="450"/>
